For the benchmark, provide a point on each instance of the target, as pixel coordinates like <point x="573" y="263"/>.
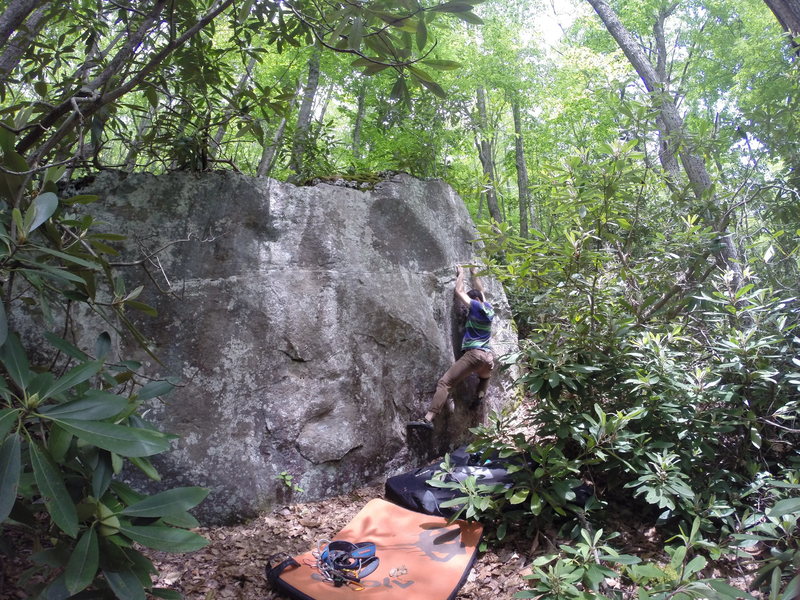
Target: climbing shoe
<point x="422" y="424"/>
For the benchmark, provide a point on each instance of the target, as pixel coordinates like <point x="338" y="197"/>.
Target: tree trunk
<point x="359" y="120"/>
<point x="522" y="171"/>
<point x="300" y="140"/>
<point x="271" y="150"/>
<point x="136" y="143"/>
<point x="13" y="16"/>
<point x="788" y="14"/>
<point x="667" y="144"/>
<point x="248" y="73"/>
<point x="486" y="157"/>
<point x="22" y="40"/>
<point x="675" y="130"/>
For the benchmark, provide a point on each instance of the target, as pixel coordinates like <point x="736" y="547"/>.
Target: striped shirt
<point x="479" y="326"/>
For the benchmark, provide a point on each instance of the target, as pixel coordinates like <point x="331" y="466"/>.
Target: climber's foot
<point x="421" y="424"/>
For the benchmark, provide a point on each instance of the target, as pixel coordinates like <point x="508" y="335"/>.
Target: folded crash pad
<point x="411" y="490"/>
<point x="422" y="557"/>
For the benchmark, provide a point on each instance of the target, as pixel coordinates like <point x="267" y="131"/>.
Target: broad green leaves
<point x="167" y="503"/>
<point x="10" y="463"/>
<point x="120" y="439"/>
<point x="95" y="405"/>
<point x="51" y="485"/>
<point x="168" y="539"/>
<point x="83" y="562"/>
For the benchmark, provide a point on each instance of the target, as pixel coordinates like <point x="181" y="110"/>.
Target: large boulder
<point x="307" y="325"/>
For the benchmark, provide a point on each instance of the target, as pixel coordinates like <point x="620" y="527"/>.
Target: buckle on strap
<point x="342" y="562"/>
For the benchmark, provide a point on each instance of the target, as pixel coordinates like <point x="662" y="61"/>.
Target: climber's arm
<point x="460" y="293"/>
<point x="477" y="284"/>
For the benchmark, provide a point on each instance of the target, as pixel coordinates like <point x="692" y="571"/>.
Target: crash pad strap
<point x="274" y="572"/>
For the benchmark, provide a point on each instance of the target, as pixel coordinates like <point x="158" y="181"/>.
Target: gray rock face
<point x="308" y="325"/>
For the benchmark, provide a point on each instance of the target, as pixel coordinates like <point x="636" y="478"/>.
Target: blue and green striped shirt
<point x="479" y="326"/>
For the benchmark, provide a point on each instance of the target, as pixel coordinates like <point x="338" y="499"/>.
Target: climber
<point x="477" y="356"/>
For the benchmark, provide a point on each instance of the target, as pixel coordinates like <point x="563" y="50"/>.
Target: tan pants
<point x="473" y="361"/>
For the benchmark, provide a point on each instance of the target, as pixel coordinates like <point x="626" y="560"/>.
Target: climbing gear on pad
<point x="341" y="562"/>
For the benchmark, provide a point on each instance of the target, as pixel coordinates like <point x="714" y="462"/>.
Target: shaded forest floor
<point x="233" y="564"/>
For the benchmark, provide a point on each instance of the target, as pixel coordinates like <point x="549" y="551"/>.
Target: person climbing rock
<point x="477" y="355"/>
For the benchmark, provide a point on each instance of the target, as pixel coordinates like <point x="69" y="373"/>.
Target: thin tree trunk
<point x="323" y="105"/>
<point x="300" y="141"/>
<point x="522" y="171"/>
<point x="248" y="73"/>
<point x="21" y="40"/>
<point x="667" y="144"/>
<point x="674" y="128"/>
<point x="487" y="161"/>
<point x="359" y="120"/>
<point x="133" y="150"/>
<point x="788" y="14"/>
<point x="269" y="151"/>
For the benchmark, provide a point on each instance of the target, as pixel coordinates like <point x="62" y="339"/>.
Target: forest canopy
<point x="634" y="170"/>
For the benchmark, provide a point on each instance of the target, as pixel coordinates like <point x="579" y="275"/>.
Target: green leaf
<point x="792" y="591"/>
<point x="73" y="377"/>
<point x="44" y="205"/>
<point x="70" y="258"/>
<point x="421" y="34"/>
<point x="420" y="74"/>
<point x="10" y="467"/>
<point x="454" y="502"/>
<point x="8" y="416"/>
<point x="155" y="388"/>
<point x="622" y="559"/>
<point x="182" y="519"/>
<point x="169" y="539"/>
<point x="166" y="503"/>
<point x="470" y="17"/>
<point x="125" y="584"/>
<point x="166" y="594"/>
<point x="66" y="347"/>
<point x="356" y="34"/>
<point x="784" y="507"/>
<point x="443" y="65"/>
<point x="58" y="442"/>
<point x="51" y="487"/>
<point x="124" y="440"/>
<point x="3" y="324"/>
<point x="142" y="307"/>
<point x="83" y="563"/>
<point x="146" y="467"/>
<point x="83" y="199"/>
<point x="519" y="496"/>
<point x="15" y="361"/>
<point x="698" y="563"/>
<point x="102" y="474"/>
<point x="729" y="591"/>
<point x="127" y="494"/>
<point x="102" y="345"/>
<point x="41" y="269"/>
<point x="373" y="68"/>
<point x="94" y="406"/>
<point x="435" y="88"/>
<point x="453" y="7"/>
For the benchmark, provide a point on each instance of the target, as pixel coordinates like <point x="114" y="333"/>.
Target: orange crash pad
<point x="422" y="557"/>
